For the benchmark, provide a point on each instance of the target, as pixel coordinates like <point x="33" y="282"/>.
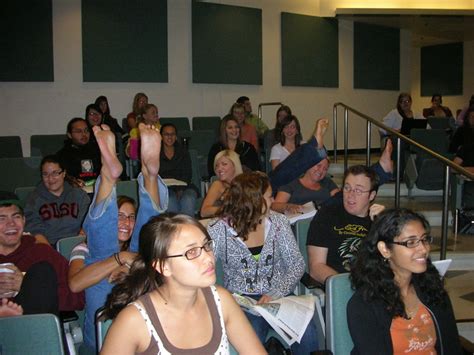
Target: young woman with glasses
<point x="257" y="249"/>
<point x="400" y="305"/>
<point x="55" y="209"/>
<point x="111" y="224"/>
<point x="167" y="304"/>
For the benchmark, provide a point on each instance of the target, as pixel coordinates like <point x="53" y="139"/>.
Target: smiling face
<point x="225" y="169"/>
<point x="169" y="136"/>
<point x="126" y="222"/>
<point x="290" y="130"/>
<point x="198" y="272"/>
<point x="53" y="178"/>
<point x="355" y="204"/>
<point x="150" y="116"/>
<point x="12" y="223"/>
<point x="318" y="172"/>
<point x="405" y="103"/>
<point x="239" y="114"/>
<point x="232" y="130"/>
<point x="436" y="101"/>
<point x="407" y="261"/>
<point x="80" y="133"/>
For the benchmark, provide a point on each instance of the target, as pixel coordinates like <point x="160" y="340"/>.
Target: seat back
<point x="64" y="246"/>
<point x="128" y="188"/>
<point x="212" y="123"/>
<point x="23" y="193"/>
<point x="338" y="294"/>
<point x="201" y="141"/>
<point x="42" y="145"/>
<point x="10" y="147"/>
<point x="181" y="123"/>
<point x="441" y="122"/>
<point x="31" y="334"/>
<point x="19" y="172"/>
<point x="434" y="139"/>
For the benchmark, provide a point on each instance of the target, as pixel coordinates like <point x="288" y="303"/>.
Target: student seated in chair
<point x="465" y="158"/>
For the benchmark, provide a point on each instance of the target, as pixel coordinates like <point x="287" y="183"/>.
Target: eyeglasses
<point x="169" y="134"/>
<point x="79" y="131"/>
<point x="54" y="173"/>
<point x="123" y="217"/>
<point x="357" y="191"/>
<point x="195" y="252"/>
<point x="413" y="243"/>
<point x="93" y="113"/>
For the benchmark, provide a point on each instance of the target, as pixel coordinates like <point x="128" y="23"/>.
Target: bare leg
<point x="150" y="149"/>
<point x="322" y="125"/>
<point x="10" y="309"/>
<point x="111" y="167"/>
<point x="385" y="160"/>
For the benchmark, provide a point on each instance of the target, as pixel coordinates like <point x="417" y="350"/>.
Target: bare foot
<point x="10" y="309"/>
<point x="111" y="167"/>
<point x="322" y="125"/>
<point x="150" y="148"/>
<point x="385" y="160"/>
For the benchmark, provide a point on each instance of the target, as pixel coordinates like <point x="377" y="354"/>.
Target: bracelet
<point x="117" y="259"/>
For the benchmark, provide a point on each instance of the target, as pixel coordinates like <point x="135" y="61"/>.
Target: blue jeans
<point x="182" y="202"/>
<point x="309" y="341"/>
<point x="303" y="158"/>
<point x="101" y="225"/>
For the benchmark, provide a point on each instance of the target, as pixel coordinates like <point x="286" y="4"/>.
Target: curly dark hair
<point x="155" y="239"/>
<point x="243" y="204"/>
<point x="372" y="274"/>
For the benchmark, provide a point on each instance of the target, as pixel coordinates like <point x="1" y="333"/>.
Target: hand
<point x="118" y="273"/>
<point x="11" y="281"/>
<point x="375" y="209"/>
<point x="292" y="208"/>
<point x="264" y="299"/>
<point x="321" y="127"/>
<point x="127" y="257"/>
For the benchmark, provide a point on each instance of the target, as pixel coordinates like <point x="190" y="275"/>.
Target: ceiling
<point x="428" y="27"/>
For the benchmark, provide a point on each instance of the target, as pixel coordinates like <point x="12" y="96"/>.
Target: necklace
<point x="163" y="297"/>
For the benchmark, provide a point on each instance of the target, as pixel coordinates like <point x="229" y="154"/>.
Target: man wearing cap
<point x="33" y="274"/>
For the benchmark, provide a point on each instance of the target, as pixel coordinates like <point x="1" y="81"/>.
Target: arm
<point x="240" y="332"/>
<point x="128" y="334"/>
<point x="318" y="269"/>
<point x="81" y="277"/>
<point x="280" y="204"/>
<point x="274" y="163"/>
<point x="208" y="208"/>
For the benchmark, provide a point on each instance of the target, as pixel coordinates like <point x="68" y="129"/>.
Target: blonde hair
<point x="233" y="157"/>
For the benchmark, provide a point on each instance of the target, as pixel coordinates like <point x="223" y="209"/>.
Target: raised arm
<point x="240" y="332"/>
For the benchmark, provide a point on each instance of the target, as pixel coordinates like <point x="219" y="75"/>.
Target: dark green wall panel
<point x="310" y="51"/>
<point x="26" y="29"/>
<point x="125" y="40"/>
<point x="442" y="69"/>
<point x="376" y="57"/>
<point x="227" y="44"/>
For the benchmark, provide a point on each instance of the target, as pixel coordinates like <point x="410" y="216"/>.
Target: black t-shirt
<point x="466" y="153"/>
<point x="340" y="232"/>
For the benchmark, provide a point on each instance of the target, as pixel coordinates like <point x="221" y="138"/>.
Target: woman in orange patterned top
<point x="400" y="305"/>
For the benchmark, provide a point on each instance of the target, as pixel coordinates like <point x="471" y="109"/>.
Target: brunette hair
<point x="222" y="130"/>
<point x="137" y="98"/>
<point x="155" y="239"/>
<point x="243" y="203"/>
<point x="285" y="122"/>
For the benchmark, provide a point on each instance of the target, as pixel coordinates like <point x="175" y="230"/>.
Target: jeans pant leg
<point x="188" y="202"/>
<point x="309" y="341"/>
<point x="173" y="205"/>
<point x="259" y="325"/>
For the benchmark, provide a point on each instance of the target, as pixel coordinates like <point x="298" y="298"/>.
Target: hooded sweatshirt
<point x="56" y="217"/>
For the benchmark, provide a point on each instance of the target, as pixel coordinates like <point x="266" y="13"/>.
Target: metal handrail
<point x="448" y="163"/>
<point x="266" y="104"/>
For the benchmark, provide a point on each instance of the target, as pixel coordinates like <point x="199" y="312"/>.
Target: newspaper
<point x="288" y="316"/>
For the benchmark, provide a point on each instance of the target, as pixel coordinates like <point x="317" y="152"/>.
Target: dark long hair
<point x="223" y="133"/>
<point x="285" y="122"/>
<point x="243" y="202"/>
<point x="372" y="275"/>
<point x="278" y="126"/>
<point x="155" y="240"/>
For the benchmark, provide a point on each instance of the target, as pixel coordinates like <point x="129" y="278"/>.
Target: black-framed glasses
<point x="122" y="217"/>
<point x="357" y="191"/>
<point x="413" y="243"/>
<point x="195" y="252"/>
<point x="54" y="173"/>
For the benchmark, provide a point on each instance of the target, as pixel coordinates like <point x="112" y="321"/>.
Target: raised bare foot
<point x="111" y="167"/>
<point x="322" y="125"/>
<point x="150" y="148"/>
<point x="385" y="160"/>
<point x="10" y="309"/>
